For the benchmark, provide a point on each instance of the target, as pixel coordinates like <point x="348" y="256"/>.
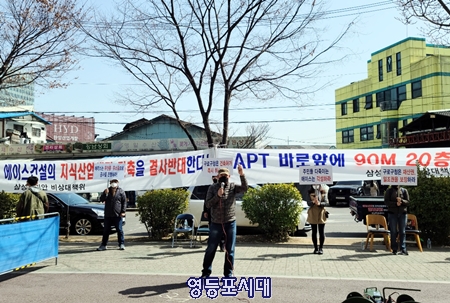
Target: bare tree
<point x="435" y="14"/>
<point x="255" y="135"/>
<point x="37" y="41"/>
<point x="214" y="51"/>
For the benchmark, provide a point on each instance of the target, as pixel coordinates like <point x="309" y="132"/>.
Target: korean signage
<point x="109" y="171"/>
<point x="316" y="175"/>
<point x="260" y="166"/>
<point x="399" y="175"/>
<point x="70" y="128"/>
<point x="211" y="166"/>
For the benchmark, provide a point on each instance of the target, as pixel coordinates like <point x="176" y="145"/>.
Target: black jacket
<point x="390" y="199"/>
<point x="114" y="205"/>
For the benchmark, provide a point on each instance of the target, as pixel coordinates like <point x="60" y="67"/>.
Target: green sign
<point x="97" y="146"/>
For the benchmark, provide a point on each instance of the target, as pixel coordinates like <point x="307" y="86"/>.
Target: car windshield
<point x="348" y="183"/>
<point x="71" y="198"/>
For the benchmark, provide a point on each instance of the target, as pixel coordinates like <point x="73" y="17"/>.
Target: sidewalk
<point x="342" y="259"/>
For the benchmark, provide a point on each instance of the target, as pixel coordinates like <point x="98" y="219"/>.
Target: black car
<point x="342" y="190"/>
<point x="85" y="217"/>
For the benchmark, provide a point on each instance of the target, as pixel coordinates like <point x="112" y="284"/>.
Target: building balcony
<point x="430" y="138"/>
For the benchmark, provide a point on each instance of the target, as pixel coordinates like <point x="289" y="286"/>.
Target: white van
<point x="198" y="195"/>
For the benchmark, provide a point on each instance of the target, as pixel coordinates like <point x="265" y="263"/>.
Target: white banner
<point x="185" y="168"/>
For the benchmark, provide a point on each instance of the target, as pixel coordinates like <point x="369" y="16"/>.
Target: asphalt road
<point x="112" y="288"/>
<point x="132" y="279"/>
<point x="339" y="225"/>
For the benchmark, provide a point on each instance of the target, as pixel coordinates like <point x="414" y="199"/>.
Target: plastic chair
<point x="380" y="228"/>
<point x="414" y="230"/>
<point x="203" y="227"/>
<point x="179" y="227"/>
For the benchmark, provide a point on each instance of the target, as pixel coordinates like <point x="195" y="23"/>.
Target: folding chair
<point x="377" y="225"/>
<point x="179" y="228"/>
<point x="413" y="229"/>
<point x="203" y="226"/>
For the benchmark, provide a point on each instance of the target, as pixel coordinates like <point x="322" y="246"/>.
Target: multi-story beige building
<point x="405" y="80"/>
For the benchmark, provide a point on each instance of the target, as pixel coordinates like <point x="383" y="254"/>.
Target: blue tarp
<point x="25" y="243"/>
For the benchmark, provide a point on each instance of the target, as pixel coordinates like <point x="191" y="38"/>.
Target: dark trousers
<point x="117" y="223"/>
<point x="215" y="235"/>
<point x="321" y="228"/>
<point x="397" y="226"/>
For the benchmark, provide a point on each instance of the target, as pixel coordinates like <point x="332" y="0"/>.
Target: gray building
<point x="17" y="96"/>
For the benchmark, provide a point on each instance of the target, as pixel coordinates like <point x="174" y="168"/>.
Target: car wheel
<point x="332" y="202"/>
<point x="82" y="227"/>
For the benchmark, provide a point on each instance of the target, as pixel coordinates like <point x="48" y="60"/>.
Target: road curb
<point x="291" y="241"/>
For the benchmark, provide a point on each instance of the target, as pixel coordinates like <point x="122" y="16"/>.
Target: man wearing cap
<point x="221" y="200"/>
<point x="207" y="214"/>
<point x="115" y="207"/>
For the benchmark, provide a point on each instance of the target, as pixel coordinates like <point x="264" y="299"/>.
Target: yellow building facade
<point x="405" y="80"/>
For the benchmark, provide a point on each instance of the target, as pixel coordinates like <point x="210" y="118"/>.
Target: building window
<point x="18" y="127"/>
<point x="416" y="88"/>
<point x="366" y="133"/>
<point x="355" y="105"/>
<point x="399" y="63"/>
<point x="369" y="102"/>
<point x="389" y="131"/>
<point x="405" y="122"/>
<point x="347" y="136"/>
<point x="378" y="131"/>
<point x="401" y="93"/>
<point x="380" y="70"/>
<point x="36" y="132"/>
<point x="379" y="98"/>
<point x="389" y="64"/>
<point x="344" y="109"/>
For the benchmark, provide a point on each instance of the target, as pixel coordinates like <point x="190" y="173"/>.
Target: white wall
<point x="28" y="126"/>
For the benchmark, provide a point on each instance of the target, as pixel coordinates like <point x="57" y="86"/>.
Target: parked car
<point x="198" y="195"/>
<point x="85" y="217"/>
<point x="94" y="197"/>
<point x="342" y="190"/>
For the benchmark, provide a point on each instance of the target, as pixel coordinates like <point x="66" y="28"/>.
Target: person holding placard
<point x="317" y="215"/>
<point x="397" y="199"/>
<point x="115" y="208"/>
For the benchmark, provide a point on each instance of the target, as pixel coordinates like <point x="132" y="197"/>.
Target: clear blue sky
<point x="98" y="82"/>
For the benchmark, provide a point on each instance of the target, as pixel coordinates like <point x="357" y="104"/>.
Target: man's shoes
<point x="403" y="252"/>
<point x="316" y="251"/>
<point x="320" y="251"/>
<point x="101" y="248"/>
<point x="122" y="247"/>
<point x="204" y="276"/>
<point x="394" y="252"/>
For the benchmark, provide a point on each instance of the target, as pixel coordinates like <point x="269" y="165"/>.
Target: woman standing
<point x="317" y="216"/>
